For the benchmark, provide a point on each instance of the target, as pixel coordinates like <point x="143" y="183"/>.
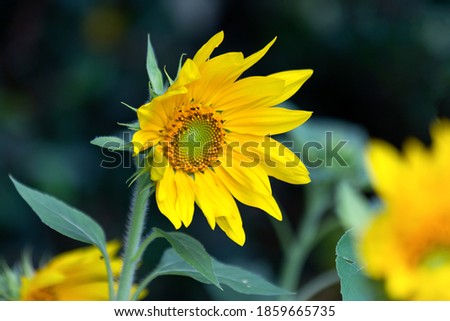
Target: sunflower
<point x="77" y="275"/>
<point x="408" y="244"/>
<point x="209" y="135"/>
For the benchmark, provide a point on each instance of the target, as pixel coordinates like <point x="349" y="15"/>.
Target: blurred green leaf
<point x="112" y="143"/>
<point x="63" y="218"/>
<point x="191" y="251"/>
<point x="353" y="210"/>
<point x="9" y="283"/>
<point x="355" y="285"/>
<point x="154" y="74"/>
<point x="332" y="149"/>
<point x="236" y="278"/>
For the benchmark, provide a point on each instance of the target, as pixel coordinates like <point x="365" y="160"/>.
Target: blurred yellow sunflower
<point x="408" y="243"/>
<point x="77" y="275"/>
<point x="210" y="137"/>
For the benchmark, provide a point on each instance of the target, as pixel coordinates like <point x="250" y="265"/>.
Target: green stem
<point x="316" y="285"/>
<point x="146" y="242"/>
<point x="318" y="200"/>
<point x="109" y="273"/>
<point x="133" y="237"/>
<point x="150" y="277"/>
<point x="293" y="263"/>
<point x="284" y="234"/>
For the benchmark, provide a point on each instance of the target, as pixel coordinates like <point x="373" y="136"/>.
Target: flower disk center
<point x="194" y="139"/>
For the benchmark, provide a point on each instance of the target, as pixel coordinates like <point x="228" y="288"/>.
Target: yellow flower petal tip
<point x="413" y="230"/>
<point x="202" y="125"/>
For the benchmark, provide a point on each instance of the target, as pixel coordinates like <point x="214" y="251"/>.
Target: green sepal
<point x="154" y="74"/>
<point x="134" y="126"/>
<point x="9" y="282"/>
<point x="112" y="143"/>
<point x="128" y="106"/>
<point x="180" y="65"/>
<point x="169" y="79"/>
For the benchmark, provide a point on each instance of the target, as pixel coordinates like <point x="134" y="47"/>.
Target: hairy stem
<point x="134" y="236"/>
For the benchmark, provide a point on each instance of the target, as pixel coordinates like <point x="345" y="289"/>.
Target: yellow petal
<point x="188" y="73"/>
<point x="205" y="188"/>
<point x="221" y="71"/>
<point x="144" y="139"/>
<point x="42" y="278"/>
<point x="276" y="159"/>
<point x="384" y="166"/>
<point x="155" y="114"/>
<point x="293" y="80"/>
<point x="184" y="204"/>
<point x="151" y="116"/>
<point x="232" y="226"/>
<point x="216" y="76"/>
<point x="88" y="271"/>
<point x="216" y="67"/>
<point x="213" y="197"/>
<point x="94" y="291"/>
<point x="165" y="102"/>
<point x="264" y="121"/>
<point x="378" y="238"/>
<point x="206" y="50"/>
<point x="246" y="171"/>
<point x="440" y="135"/>
<point x="251" y="60"/>
<point x="248" y="197"/>
<point x="85" y="254"/>
<point x="401" y="283"/>
<point x="159" y="164"/>
<point x="166" y="194"/>
<point x="250" y="91"/>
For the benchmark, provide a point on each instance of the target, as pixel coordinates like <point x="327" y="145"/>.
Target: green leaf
<point x="154" y="74"/>
<point x="355" y="285"/>
<point x="191" y="251"/>
<point x="236" y="278"/>
<point x="332" y="149"/>
<point x="61" y="217"/>
<point x="68" y="221"/>
<point x="353" y="210"/>
<point x="112" y="143"/>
